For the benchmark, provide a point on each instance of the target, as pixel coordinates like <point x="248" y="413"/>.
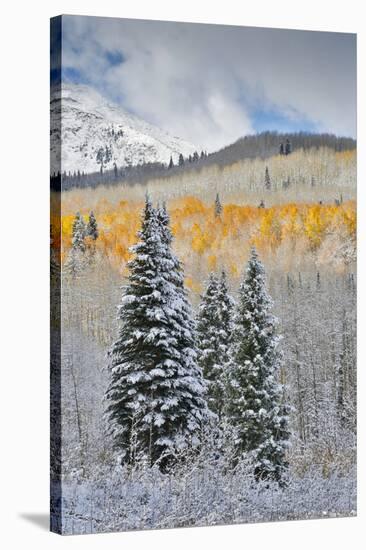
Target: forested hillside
<point x="260" y="146"/>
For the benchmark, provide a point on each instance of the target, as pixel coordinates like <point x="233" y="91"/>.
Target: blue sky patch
<point x="115" y="57"/>
<point x="273" y="120"/>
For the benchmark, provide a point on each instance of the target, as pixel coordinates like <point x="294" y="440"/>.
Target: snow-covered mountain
<point x="95" y="131"/>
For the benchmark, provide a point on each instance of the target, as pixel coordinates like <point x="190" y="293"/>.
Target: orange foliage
<point x="207" y="241"/>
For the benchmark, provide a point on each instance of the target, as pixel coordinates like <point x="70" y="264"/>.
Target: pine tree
<point x="155" y="400"/>
<point x="214" y="328"/>
<point x="75" y="262"/>
<point x="255" y="408"/>
<point x="208" y="327"/>
<point x="218" y="206"/>
<point x="267" y="179"/>
<point x="171" y="163"/>
<point x="92" y="227"/>
<point x="78" y="233"/>
<point x="181" y="160"/>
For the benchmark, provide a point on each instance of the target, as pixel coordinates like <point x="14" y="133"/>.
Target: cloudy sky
<point x="212" y="84"/>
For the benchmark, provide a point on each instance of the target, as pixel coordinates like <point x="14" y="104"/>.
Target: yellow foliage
<point x="205" y="242"/>
<point x="193" y="285"/>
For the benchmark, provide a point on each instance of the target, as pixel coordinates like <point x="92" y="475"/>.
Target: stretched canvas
<point x="203" y="274"/>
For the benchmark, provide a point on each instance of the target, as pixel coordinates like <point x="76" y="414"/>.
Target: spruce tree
<point x="78" y="233"/>
<point x="75" y="262"/>
<point x="267" y="179"/>
<point x="214" y="327"/>
<point x="156" y="396"/>
<point x="181" y="160"/>
<point x="218" y="206"/>
<point x="171" y="163"/>
<point x="92" y="227"/>
<point x="255" y="404"/>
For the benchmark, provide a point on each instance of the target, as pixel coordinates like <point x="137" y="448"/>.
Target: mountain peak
<point x="95" y="131"/>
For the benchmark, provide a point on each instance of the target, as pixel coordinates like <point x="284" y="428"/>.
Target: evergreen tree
<point x="208" y="327"/>
<point x="214" y="328"/>
<point x="156" y="396"/>
<point x="255" y="405"/>
<point x="115" y="170"/>
<point x="171" y="163"/>
<point x="288" y="148"/>
<point x="218" y="206"/>
<point x="92" y="227"/>
<point x="76" y="258"/>
<point x="181" y="160"/>
<point x="267" y="179"/>
<point x="78" y="233"/>
<point x="195" y="156"/>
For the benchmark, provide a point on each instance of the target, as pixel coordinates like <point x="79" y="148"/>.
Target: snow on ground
<point x="150" y="500"/>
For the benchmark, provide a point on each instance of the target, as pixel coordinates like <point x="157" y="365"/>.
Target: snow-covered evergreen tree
<point x="156" y="396"/>
<point x="92" y="227"/>
<point x="255" y="405"/>
<point x="214" y="329"/>
<point x="75" y="262"/>
<point x="78" y="233"/>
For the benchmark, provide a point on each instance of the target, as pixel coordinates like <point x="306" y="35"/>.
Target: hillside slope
<point x="95" y="131"/>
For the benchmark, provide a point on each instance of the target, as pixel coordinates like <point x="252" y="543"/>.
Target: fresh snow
<point x="87" y="120"/>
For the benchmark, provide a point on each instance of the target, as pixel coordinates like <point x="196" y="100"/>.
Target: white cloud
<point x="200" y="82"/>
